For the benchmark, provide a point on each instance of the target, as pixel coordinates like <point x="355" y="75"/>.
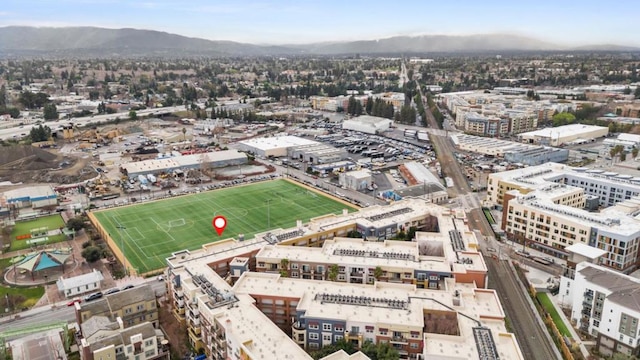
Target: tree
<point x="354" y="234"/>
<point x="50" y="112"/>
<point x="184" y="134"/>
<point x="634" y="152"/>
<point x="333" y="272"/>
<point x="563" y="118"/>
<point x="380" y="351"/>
<point x="327" y="350"/>
<point x="133" y="115"/>
<point x="284" y="267"/>
<point x="76" y="224"/>
<point x="378" y="272"/>
<point x="636" y="94"/>
<point x="40" y="133"/>
<point x="92" y="253"/>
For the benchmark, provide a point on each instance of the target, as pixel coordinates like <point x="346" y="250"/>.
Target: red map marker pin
<point x="219" y="223"/>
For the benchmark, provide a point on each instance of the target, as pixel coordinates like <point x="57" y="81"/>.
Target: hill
<point x="94" y="41"/>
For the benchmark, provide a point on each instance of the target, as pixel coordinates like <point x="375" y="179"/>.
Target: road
<point x="16" y="132"/>
<point x="531" y="336"/>
<point x="58" y="312"/>
<point x="533" y="339"/>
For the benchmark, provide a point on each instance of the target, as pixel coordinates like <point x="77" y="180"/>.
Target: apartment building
<point x="106" y="340"/>
<point x="245" y="320"/>
<point x="606" y="305"/>
<point x="485" y="125"/>
<point x="608" y="188"/>
<point x="545" y="207"/>
<point x="286" y="279"/>
<point x="134" y="306"/>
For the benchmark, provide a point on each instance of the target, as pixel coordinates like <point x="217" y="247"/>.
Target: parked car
<point x="93" y="296"/>
<point x="160" y="278"/>
<point x="111" y="291"/>
<point x="74" y="301"/>
<point x="127" y="287"/>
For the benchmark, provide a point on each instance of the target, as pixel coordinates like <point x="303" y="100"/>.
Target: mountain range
<point x="95" y="41"/>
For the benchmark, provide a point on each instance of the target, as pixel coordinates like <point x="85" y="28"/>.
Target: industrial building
<point x="563" y="135"/>
<point x="424" y="297"/>
<point x="276" y="146"/>
<point x="317" y="153"/>
<point x="368" y="124"/>
<point x="547" y="207"/>
<point x="606" y="305"/>
<point x="34" y="197"/>
<point x="355" y="180"/>
<point x="511" y="151"/>
<point x="215" y="159"/>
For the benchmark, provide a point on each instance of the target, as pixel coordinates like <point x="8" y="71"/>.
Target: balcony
<point x="298" y="325"/>
<point x="353" y="334"/>
<point x="399" y="340"/>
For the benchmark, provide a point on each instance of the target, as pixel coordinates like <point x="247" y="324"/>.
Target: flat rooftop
<point x="562" y="131"/>
<point x="278" y="142"/>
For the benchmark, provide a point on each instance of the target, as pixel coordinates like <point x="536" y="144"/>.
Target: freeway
<point x="18" y="132"/>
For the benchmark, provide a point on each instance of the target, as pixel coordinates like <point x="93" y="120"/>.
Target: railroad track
<point x="532" y="338"/>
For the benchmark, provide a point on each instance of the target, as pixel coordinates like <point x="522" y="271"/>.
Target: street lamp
<point x="124" y="257"/>
<point x="268" y="214"/>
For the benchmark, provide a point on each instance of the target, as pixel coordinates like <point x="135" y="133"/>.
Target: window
<point x="338" y="328"/>
<point x="314" y="345"/>
<point x="313" y="336"/>
<point x="326" y="327"/>
<point x="150" y="353"/>
<point x="338" y="337"/>
<point x="294" y="266"/>
<point x="326" y="337"/>
<point x="414" y="345"/>
<point x="313" y="327"/>
<point x="148" y="343"/>
<point x="140" y="307"/>
<point x="127" y="310"/>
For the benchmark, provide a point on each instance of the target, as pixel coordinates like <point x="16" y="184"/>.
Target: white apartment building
<point x="544" y="207"/>
<point x="605" y="304"/>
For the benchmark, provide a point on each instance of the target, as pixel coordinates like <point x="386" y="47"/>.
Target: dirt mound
<point x="26" y="157"/>
<point x="28" y="164"/>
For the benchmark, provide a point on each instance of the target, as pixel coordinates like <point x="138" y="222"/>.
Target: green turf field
<point x="52" y="222"/>
<point x="154" y="230"/>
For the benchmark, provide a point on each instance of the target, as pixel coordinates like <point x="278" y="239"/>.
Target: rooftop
<point x="277" y="142"/>
<point x="562" y="131"/>
<point x="79" y="281"/>
<point x="625" y="290"/>
<point x="585" y="250"/>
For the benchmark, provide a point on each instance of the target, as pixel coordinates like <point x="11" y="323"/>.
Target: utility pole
<point x="268" y="214"/>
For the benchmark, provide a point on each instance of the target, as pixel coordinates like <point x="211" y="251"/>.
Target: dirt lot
<point x="28" y="164"/>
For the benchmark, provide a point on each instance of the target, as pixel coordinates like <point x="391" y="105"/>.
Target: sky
<point x="564" y="22"/>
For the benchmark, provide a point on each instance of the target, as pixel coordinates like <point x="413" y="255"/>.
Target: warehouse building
<point x="317" y="153"/>
<point x="276" y="146"/>
<point x="215" y="159"/>
<point x="34" y="197"/>
<point x="368" y="124"/>
<point x="513" y="152"/>
<point x="561" y="135"/>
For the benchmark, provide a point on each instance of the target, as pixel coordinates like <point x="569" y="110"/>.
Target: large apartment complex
<point x="291" y="291"/>
<point x="552" y="206"/>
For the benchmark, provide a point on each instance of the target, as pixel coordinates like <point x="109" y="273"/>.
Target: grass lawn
<point x="548" y="307"/>
<point x="21" y="297"/>
<point x="24" y="227"/>
<point x="150" y="232"/>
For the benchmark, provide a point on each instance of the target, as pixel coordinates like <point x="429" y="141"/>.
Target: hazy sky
<point x="566" y="22"/>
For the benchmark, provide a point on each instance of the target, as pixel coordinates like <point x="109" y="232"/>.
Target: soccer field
<point x="150" y="232"/>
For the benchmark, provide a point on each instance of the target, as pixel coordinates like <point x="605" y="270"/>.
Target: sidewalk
<point x="574" y="333"/>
